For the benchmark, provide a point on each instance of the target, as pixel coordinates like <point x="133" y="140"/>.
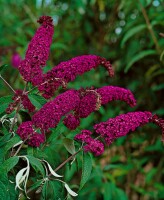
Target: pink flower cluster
<point x="92" y="145"/>
<point x="112" y="129"/>
<point x="50" y="114"/>
<point x="92" y="99"/>
<point x="73" y="104"/>
<point x="121" y="125"/>
<point x="67" y="71"/>
<point x="26" y="132"/>
<point x="37" y="52"/>
<point x="20" y="97"/>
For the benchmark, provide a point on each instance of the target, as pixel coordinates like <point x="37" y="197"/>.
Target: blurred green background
<point x="131" y="35"/>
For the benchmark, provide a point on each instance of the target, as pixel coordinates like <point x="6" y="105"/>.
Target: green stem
<point x="67" y="160"/>
<point x="17" y="110"/>
<point x="7" y="83"/>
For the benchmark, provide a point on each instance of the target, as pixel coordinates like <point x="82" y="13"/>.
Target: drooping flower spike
<point x="50" y="114"/>
<point x="115" y="128"/>
<point x="92" y="145"/>
<point x="91" y="100"/>
<point x="38" y="52"/>
<point x="67" y="71"/>
<point x="48" y="117"/>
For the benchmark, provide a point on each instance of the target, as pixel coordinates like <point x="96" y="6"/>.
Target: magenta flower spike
<point x="91" y="100"/>
<point x="38" y="52"/>
<point x="67" y="71"/>
<point x="104" y="95"/>
<point x="114" y="93"/>
<point x="92" y="145"/>
<point x="115" y="128"/>
<point x="122" y="125"/>
<point x="50" y="114"/>
<point x="27" y="132"/>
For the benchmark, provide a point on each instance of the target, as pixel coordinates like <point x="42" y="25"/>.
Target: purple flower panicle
<point x="26" y="132"/>
<point x="50" y="114"/>
<point x="84" y="136"/>
<point x="92" y="145"/>
<point x="37" y="52"/>
<point x="122" y="125"/>
<point x="71" y="121"/>
<point x="112" y="93"/>
<point x="88" y="104"/>
<point x="112" y="129"/>
<point x="92" y="99"/>
<point x="67" y="71"/>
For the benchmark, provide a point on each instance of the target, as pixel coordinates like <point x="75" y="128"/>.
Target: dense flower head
<point x="26" y="132"/>
<point x="20" y="96"/>
<point x="68" y="70"/>
<point x="111" y="93"/>
<point x="89" y="102"/>
<point x="16" y="60"/>
<point x="91" y="99"/>
<point x="50" y="114"/>
<point x="122" y="125"/>
<point x="71" y="121"/>
<point x="37" y="52"/>
<point x="84" y="136"/>
<point x="92" y="145"/>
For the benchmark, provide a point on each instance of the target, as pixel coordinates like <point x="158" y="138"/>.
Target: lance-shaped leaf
<point x="20" y="178"/>
<point x="22" y="175"/>
<point x="71" y="192"/>
<point x="20" y="142"/>
<point x="51" y="170"/>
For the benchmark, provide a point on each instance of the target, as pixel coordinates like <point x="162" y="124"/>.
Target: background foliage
<point x="129" y="34"/>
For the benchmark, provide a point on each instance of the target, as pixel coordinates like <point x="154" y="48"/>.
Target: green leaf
<point x="5" y="99"/>
<point x="69" y="145"/>
<point x="132" y="32"/>
<point x="44" y="195"/>
<point x="109" y="189"/>
<point x="5" y="139"/>
<point x="3" y="67"/>
<point x="11" y="193"/>
<point x="35" y="185"/>
<point x="3" y="191"/>
<point x="4" y="102"/>
<point x="36" y="164"/>
<point x="12" y="142"/>
<point x="138" y="57"/>
<point x="86" y="169"/>
<point x="36" y="100"/>
<point x="30" y="151"/>
<point x="158" y="87"/>
<point x="120" y="194"/>
<point x="9" y="164"/>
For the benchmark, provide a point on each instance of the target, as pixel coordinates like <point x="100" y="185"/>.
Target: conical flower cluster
<point x="72" y="105"/>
